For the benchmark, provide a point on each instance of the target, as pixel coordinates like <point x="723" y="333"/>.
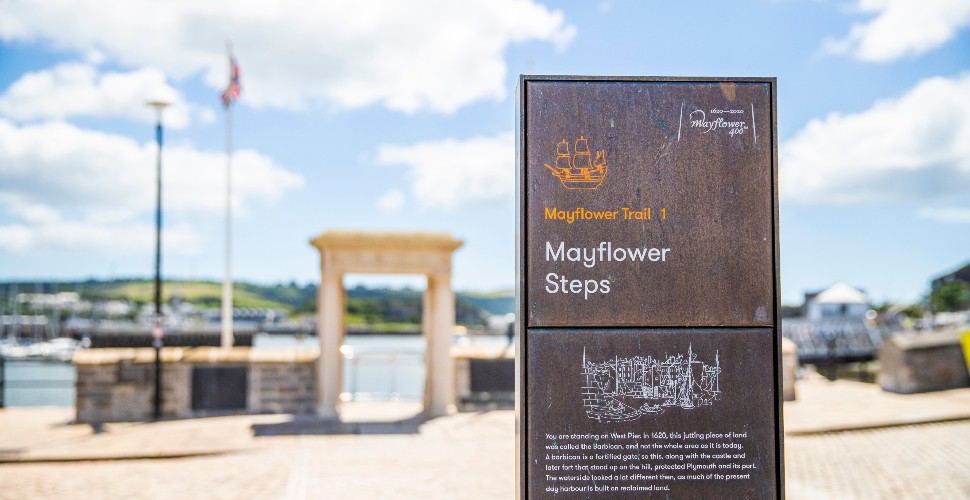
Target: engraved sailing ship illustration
<point x="578" y="170"/>
<point x="624" y="389"/>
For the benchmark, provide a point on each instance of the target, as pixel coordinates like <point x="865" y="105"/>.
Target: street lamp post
<point x="157" y="331"/>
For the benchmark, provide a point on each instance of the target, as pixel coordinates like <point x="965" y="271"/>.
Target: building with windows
<point x="840" y="300"/>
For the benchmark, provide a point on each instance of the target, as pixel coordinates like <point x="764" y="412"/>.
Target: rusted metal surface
<point x="707" y="185"/>
<point x="648" y="288"/>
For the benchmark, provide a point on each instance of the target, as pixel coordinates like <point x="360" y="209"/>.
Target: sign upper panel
<point x="648" y="203"/>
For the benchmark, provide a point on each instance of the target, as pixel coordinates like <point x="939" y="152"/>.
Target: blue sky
<point x="400" y="116"/>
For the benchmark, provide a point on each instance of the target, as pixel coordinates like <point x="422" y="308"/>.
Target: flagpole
<point x="227" y="337"/>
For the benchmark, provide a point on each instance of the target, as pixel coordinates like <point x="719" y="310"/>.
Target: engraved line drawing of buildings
<point x="578" y="171"/>
<point x="624" y="389"/>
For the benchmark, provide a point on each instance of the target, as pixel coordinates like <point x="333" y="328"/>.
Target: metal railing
<point x="381" y="375"/>
<point x="833" y="340"/>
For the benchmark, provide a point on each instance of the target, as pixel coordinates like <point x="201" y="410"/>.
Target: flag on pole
<point x="234" y="89"/>
<point x="232" y="92"/>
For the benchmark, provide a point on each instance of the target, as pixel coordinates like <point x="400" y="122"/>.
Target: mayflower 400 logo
<point x="577" y="170"/>
<point x="733" y="125"/>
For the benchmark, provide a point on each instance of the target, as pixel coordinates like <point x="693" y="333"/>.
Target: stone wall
<point x="119" y="384"/>
<point x="280" y="385"/>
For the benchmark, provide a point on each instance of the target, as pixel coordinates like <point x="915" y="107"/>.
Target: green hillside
<point x="204" y="294"/>
<point x="375" y="307"/>
<point x="501" y="302"/>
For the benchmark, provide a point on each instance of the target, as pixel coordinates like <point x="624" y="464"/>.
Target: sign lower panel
<point x="685" y="413"/>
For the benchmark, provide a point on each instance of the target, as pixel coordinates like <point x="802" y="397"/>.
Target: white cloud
<point x="117" y="238"/>
<point x="79" y="186"/>
<point x="408" y="56"/>
<point x="77" y="89"/>
<point x="957" y="215"/>
<point x="446" y="174"/>
<point x="27" y="211"/>
<point x="914" y="148"/>
<point x="392" y="200"/>
<point x="902" y="28"/>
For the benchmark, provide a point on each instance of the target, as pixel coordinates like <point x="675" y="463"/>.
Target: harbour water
<point x="37" y="382"/>
<point x="376" y="367"/>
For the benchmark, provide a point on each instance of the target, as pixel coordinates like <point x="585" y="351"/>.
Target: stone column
<point x="440" y="369"/>
<point x="330" y="330"/>
<point x="427" y="331"/>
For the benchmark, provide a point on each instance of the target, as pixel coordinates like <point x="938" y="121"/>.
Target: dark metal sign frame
<point x="724" y="307"/>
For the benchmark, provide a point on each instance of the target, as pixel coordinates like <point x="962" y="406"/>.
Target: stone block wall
<point x="116" y="385"/>
<point x="282" y="388"/>
<point x="120" y="386"/>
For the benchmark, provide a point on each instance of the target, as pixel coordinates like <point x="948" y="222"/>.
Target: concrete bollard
<point x="789" y="366"/>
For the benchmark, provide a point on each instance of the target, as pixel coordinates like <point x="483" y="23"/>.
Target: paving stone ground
<point x="914" y="461"/>
<point x="875" y="450"/>
<point x="467" y="455"/>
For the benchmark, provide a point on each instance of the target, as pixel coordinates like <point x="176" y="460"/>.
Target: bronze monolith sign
<point x="648" y="288"/>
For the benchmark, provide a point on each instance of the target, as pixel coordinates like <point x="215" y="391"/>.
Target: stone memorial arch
<point x="343" y="252"/>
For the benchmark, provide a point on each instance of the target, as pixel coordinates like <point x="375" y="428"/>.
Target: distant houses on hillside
<point x="840" y="300"/>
